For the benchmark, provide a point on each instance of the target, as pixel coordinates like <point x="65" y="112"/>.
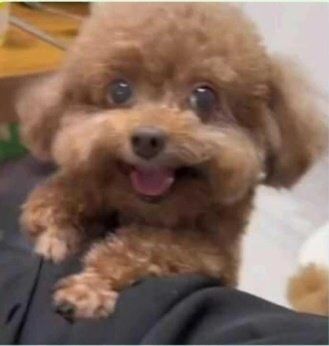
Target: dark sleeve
<point x="179" y="310"/>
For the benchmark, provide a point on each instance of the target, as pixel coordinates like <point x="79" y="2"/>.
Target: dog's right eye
<point x="119" y="92"/>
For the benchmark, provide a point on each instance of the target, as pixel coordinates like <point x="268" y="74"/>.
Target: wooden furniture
<point x="24" y="54"/>
<point x="24" y="57"/>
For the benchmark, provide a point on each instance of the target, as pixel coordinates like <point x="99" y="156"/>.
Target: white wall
<point x="284" y="219"/>
<point x="297" y="29"/>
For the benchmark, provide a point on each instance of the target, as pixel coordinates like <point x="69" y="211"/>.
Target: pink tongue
<point x="151" y="181"/>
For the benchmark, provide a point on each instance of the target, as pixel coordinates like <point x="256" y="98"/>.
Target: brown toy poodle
<point x="169" y="115"/>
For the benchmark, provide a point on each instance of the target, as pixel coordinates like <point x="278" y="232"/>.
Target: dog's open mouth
<point x="154" y="183"/>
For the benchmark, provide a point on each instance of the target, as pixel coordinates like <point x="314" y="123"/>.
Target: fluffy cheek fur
<point x="227" y="158"/>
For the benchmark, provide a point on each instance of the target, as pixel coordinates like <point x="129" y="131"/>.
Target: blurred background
<point x="283" y="220"/>
<point x="33" y="39"/>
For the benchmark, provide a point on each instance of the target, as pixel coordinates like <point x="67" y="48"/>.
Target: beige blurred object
<point x="308" y="289"/>
<point x="95" y="7"/>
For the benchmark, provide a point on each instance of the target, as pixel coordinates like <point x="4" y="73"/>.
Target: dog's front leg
<point x="55" y="213"/>
<point x="132" y="254"/>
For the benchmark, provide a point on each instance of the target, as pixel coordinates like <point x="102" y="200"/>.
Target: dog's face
<point x="173" y="98"/>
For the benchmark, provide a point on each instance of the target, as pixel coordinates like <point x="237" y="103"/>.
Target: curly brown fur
<point x="266" y="126"/>
<point x="308" y="290"/>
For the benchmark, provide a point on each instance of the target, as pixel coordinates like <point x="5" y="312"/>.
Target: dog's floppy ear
<point x="39" y="107"/>
<point x="300" y="125"/>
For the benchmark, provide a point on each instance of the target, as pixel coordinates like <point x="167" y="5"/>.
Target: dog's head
<point x="171" y="94"/>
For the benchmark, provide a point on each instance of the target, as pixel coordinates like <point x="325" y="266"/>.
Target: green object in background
<point x="10" y="145"/>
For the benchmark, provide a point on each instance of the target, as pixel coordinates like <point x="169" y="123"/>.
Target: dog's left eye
<point x="119" y="92"/>
<point x="203" y="100"/>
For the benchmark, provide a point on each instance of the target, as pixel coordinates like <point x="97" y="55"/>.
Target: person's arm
<point x="186" y="309"/>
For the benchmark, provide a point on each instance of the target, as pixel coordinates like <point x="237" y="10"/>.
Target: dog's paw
<point x="57" y="245"/>
<point x="34" y="219"/>
<point x="80" y="296"/>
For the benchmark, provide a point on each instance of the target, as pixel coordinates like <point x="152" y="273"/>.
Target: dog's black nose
<point x="147" y="142"/>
